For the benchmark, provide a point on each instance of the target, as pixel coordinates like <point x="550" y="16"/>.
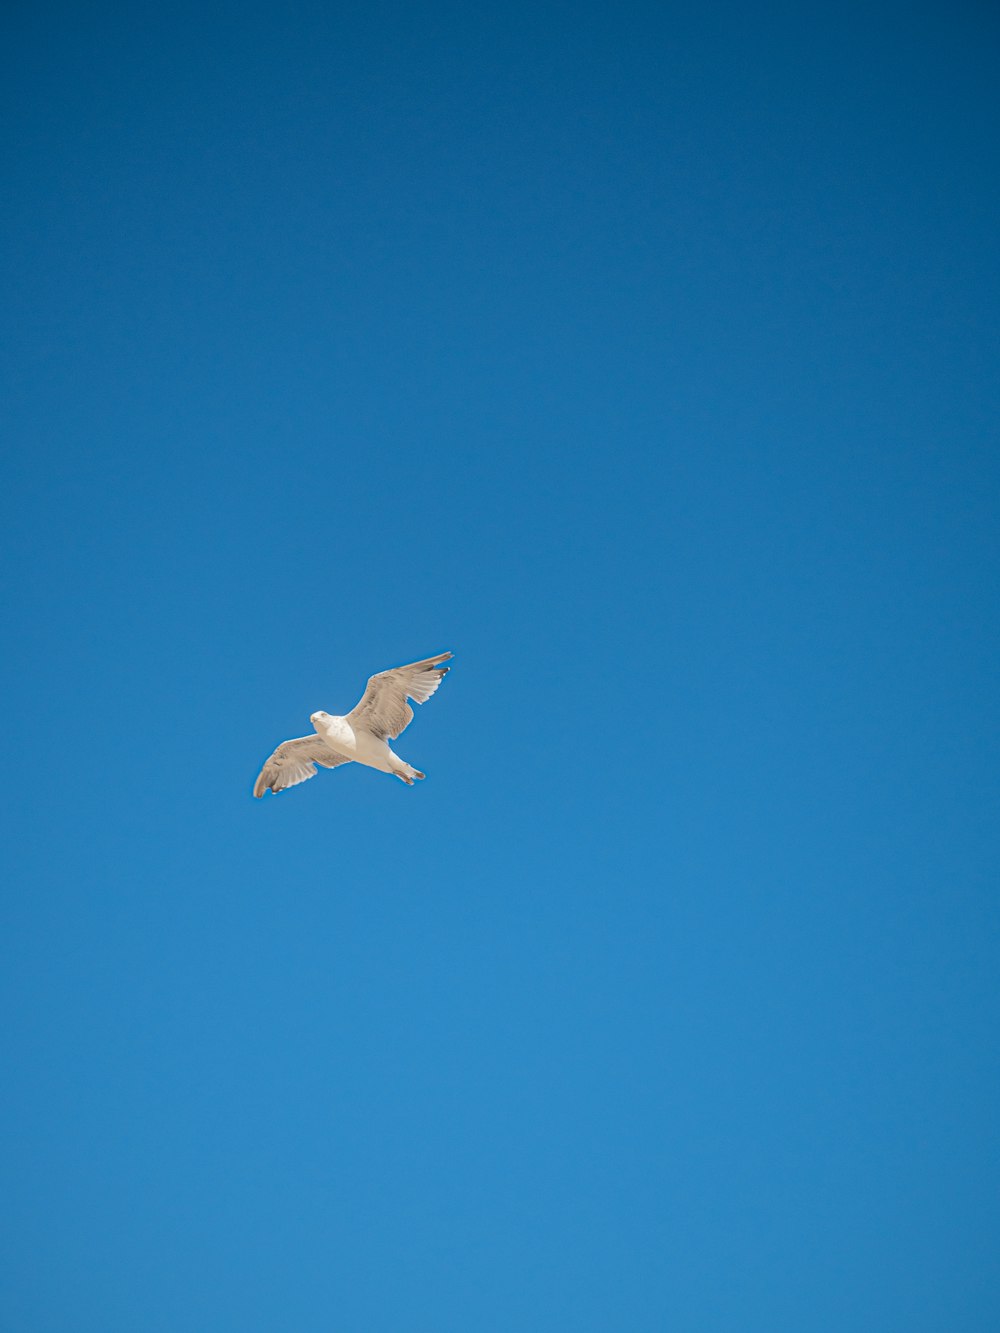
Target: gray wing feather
<point x="383" y="709"/>
<point x="294" y="762"/>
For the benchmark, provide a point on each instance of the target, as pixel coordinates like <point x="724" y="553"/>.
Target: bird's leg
<point x="405" y="771"/>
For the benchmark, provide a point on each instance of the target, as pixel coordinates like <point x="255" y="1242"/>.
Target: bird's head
<point x="317" y="719"/>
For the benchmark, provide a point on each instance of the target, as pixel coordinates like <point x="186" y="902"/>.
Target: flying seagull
<point x="362" y="735"/>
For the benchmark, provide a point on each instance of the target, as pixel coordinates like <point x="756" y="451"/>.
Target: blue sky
<point x="648" y="361"/>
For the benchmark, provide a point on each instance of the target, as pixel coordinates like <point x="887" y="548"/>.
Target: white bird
<point x="362" y="735"/>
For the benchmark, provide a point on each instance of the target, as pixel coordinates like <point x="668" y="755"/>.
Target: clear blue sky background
<point x="649" y="362"/>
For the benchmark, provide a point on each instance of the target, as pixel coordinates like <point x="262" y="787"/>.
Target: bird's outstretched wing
<point x="383" y="709"/>
<point x="295" y="761"/>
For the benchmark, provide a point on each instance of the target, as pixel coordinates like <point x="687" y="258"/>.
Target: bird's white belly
<point x="361" y="746"/>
